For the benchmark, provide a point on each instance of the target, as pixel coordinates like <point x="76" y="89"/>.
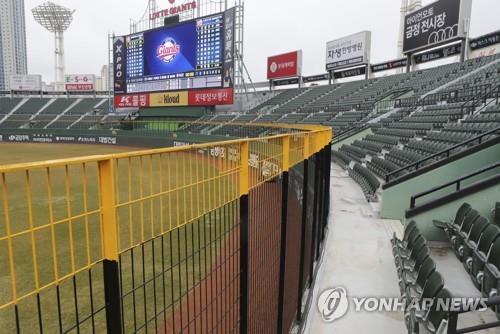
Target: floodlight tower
<point x="56" y="19"/>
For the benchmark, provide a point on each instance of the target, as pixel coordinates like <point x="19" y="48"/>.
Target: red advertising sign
<point x="132" y="101"/>
<point x="211" y="97"/>
<point x="79" y="87"/>
<point x="79" y="82"/>
<point x="284" y="66"/>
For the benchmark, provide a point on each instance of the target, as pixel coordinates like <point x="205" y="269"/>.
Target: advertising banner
<point x="285" y="65"/>
<point x="132" y="101"/>
<point x="398" y="63"/>
<point x="79" y="82"/>
<point x="313" y="78"/>
<point x="229" y="47"/>
<point x="26" y="83"/>
<point x="170" y="99"/>
<point x="348" y="51"/>
<point x="285" y="82"/>
<point x="438" y="23"/>
<point x="485" y="41"/>
<point x="119" y="65"/>
<point x="447" y="51"/>
<point x="350" y="73"/>
<point x="209" y="97"/>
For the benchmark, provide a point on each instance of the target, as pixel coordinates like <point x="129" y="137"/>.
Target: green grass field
<point x="11" y="153"/>
<point x="73" y="192"/>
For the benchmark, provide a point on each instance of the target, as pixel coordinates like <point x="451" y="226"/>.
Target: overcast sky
<point x="271" y="27"/>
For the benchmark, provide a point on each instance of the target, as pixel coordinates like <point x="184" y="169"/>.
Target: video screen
<point x="189" y="55"/>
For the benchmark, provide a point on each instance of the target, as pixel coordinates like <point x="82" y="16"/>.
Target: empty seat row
<point x="476" y="243"/>
<point x="419" y="280"/>
<point x="381" y="167"/>
<point x="368" y="182"/>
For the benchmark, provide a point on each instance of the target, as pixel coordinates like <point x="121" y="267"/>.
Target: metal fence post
<point x="284" y="223"/>
<point x="328" y="161"/>
<point x="244" y="190"/>
<point x="305" y="185"/>
<point x="315" y="216"/>
<point x="321" y="199"/>
<point x="110" y="243"/>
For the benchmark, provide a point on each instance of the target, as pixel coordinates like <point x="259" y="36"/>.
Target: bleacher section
<point x="56" y="113"/>
<point x="441" y="108"/>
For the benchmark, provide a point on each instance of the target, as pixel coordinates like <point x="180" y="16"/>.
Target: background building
<point x="13" y="58"/>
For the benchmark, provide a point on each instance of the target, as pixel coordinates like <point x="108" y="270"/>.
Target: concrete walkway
<point x="358" y="258"/>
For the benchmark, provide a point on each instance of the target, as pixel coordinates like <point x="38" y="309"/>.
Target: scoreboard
<point x="191" y="55"/>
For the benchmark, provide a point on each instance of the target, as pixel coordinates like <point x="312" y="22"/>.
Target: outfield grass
<point x="74" y="192"/>
<point x="11" y="153"/>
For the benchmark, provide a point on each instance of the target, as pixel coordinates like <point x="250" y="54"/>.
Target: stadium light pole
<point x="56" y="19"/>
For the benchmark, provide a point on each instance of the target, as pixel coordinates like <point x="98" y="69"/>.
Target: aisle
<point x="357" y="257"/>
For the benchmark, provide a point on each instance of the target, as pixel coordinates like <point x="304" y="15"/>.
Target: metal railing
<point x="476" y="100"/>
<point x="492" y="302"/>
<point x="457" y="183"/>
<point x="176" y="239"/>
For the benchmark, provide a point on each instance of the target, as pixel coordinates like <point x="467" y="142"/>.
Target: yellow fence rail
<point x="59" y="218"/>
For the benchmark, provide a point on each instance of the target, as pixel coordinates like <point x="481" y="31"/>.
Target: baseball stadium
<point x="180" y="190"/>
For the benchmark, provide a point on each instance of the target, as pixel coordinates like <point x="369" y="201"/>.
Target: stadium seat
<point x="405" y="258"/>
<point x="471" y="243"/>
<point x="409" y="229"/>
<point x="481" y="256"/>
<point x="435" y="320"/>
<point x="469" y="240"/>
<point x="416" y="280"/>
<point x="457" y="236"/>
<point x="481" y="246"/>
<point x="491" y="278"/>
<point x="451" y="228"/>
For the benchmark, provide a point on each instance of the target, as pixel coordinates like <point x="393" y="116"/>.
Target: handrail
<point x="448" y="151"/>
<point x="415" y="102"/>
<point x="453" y="318"/>
<point x="457" y="182"/>
<point x="482" y="98"/>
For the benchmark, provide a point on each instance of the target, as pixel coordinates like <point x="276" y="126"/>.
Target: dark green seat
<point x="410" y="234"/>
<point x="463" y="233"/>
<point x="408" y="273"/>
<point x="412" y="225"/>
<point x="417" y="283"/>
<point x="491" y="279"/>
<point x="470" y="243"/>
<point x="475" y="264"/>
<point x="431" y="288"/>
<point x="407" y="259"/>
<point x="437" y="317"/>
<point x="406" y="249"/>
<point x="451" y="228"/>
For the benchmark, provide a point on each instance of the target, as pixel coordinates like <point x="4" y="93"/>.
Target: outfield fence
<point x="210" y="238"/>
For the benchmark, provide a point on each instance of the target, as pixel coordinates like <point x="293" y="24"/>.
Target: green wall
<point x="483" y="201"/>
<point x="153" y="139"/>
<point x="396" y="199"/>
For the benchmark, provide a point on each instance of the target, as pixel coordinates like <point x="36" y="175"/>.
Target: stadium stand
<point x="444" y="109"/>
